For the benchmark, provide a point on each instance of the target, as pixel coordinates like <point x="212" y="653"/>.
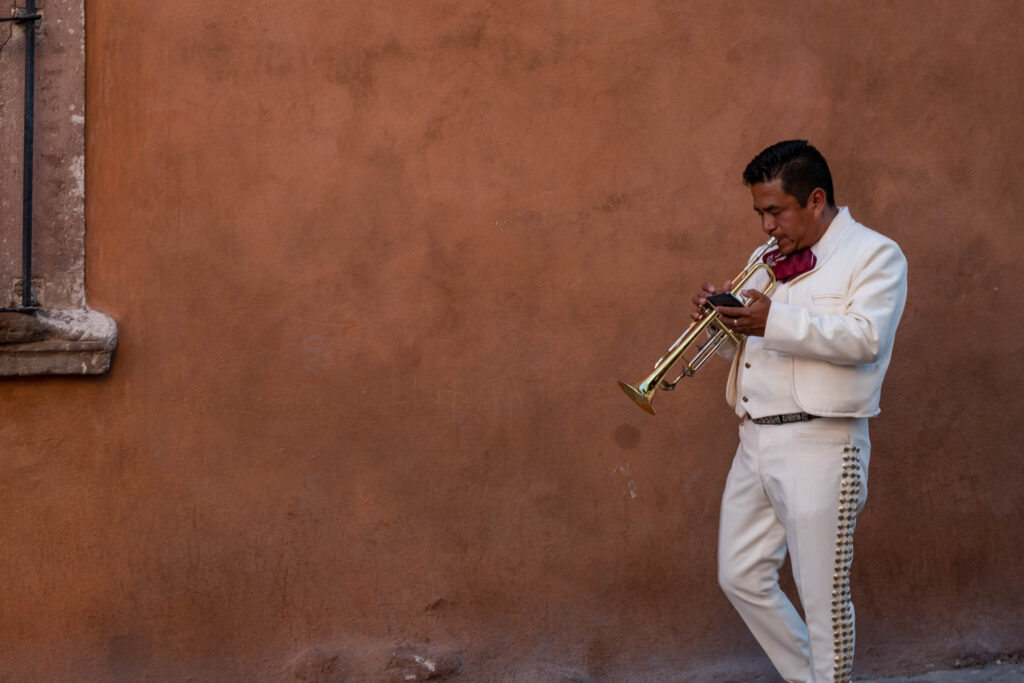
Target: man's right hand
<point x="701" y="298"/>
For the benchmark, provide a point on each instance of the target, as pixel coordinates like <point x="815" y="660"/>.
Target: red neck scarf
<point x="788" y="267"/>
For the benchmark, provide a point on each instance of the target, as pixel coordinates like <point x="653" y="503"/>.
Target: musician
<point x="804" y="383"/>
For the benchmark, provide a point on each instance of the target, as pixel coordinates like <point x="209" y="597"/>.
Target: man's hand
<point x="749" y="320"/>
<point x="701" y="298"/>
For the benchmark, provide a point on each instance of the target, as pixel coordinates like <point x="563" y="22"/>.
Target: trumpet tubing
<point x="643" y="393"/>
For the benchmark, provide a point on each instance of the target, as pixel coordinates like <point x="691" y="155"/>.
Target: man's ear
<point x="819" y="201"/>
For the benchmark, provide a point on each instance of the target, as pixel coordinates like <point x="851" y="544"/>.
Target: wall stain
<point x="627" y="436"/>
<point x="359" y="72"/>
<point x="614" y="202"/>
<point x="467" y="38"/>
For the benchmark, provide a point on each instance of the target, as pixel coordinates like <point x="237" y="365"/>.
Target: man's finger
<point x="755" y="295"/>
<point x="732" y="311"/>
<point x="706" y="289"/>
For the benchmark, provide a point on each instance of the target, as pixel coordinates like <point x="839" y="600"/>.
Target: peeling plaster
<point x="77" y="168"/>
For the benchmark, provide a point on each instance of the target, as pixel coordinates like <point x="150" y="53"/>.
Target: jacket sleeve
<point x="855" y="327"/>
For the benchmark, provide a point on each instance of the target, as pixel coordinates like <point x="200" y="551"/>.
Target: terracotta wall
<point x="376" y="268"/>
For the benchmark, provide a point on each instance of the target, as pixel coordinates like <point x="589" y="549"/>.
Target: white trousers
<point x="799" y="487"/>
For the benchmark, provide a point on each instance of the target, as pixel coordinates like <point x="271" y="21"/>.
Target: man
<point x="805" y="381"/>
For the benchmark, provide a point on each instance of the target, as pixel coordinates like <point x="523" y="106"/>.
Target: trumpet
<point x="643" y="393"/>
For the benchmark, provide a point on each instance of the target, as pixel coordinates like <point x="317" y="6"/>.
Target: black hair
<point x="798" y="164"/>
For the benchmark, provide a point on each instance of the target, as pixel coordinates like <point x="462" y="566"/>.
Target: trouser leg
<point x="822" y="487"/>
<point x="751" y="548"/>
<point x="797" y="486"/>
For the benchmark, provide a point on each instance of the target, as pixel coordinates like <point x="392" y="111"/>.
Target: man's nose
<point x="767" y="223"/>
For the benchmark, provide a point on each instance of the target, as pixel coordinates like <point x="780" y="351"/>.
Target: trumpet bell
<point x="643" y="400"/>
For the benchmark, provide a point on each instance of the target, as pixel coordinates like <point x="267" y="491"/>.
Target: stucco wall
<point x="376" y="268"/>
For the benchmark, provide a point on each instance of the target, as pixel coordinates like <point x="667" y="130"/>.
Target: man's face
<point x="783" y="218"/>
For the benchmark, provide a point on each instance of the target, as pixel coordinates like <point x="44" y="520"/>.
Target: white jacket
<point x="839" y="322"/>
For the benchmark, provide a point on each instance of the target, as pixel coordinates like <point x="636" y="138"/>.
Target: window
<point x="52" y="331"/>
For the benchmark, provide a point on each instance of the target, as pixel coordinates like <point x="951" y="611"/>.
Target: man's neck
<point x="824" y="220"/>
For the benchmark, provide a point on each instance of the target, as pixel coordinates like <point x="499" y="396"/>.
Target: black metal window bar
<point x="31" y="19"/>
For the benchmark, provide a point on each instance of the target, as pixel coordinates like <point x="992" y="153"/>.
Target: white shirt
<point x="764" y="377"/>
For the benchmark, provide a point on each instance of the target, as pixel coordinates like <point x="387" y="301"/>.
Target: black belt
<point x="782" y="419"/>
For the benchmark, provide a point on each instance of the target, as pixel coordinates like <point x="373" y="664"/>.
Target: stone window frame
<point x="63" y="335"/>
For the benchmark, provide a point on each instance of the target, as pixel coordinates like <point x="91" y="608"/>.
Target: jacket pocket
<point x="827" y="303"/>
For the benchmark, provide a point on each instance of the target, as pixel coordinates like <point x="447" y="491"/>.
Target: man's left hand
<point x="749" y="320"/>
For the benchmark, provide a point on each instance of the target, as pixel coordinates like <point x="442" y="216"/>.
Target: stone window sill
<point x="56" y="342"/>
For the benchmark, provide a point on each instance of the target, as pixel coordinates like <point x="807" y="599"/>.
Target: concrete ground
<point x="995" y="672"/>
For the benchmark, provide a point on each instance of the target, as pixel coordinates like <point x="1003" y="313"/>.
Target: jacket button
<point x="746" y="365"/>
<point x="745" y="399"/>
